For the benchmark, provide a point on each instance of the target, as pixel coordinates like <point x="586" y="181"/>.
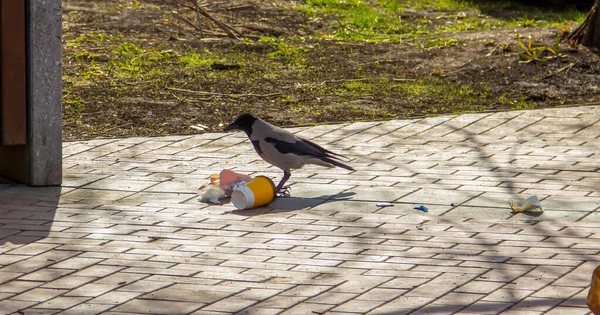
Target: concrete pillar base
<point x="39" y="162"/>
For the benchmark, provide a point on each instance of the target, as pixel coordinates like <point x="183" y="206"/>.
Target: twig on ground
<point x="267" y="29"/>
<point x="185" y="5"/>
<point x="199" y="18"/>
<point x="365" y="79"/>
<point x="233" y="95"/>
<point x="139" y="82"/>
<point x="404" y="80"/>
<point x="492" y="51"/>
<point x="199" y="9"/>
<point x="188" y="22"/>
<point x="238" y="7"/>
<point x="224" y="26"/>
<point x="567" y="68"/>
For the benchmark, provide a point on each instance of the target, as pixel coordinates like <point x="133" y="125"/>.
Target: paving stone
<point x="91" y="290"/>
<point x="437" y="196"/>
<point x="157" y="307"/>
<point x="39" y="294"/>
<point x="62" y="302"/>
<point x="536" y="304"/>
<point x="230" y="304"/>
<point x="565" y="310"/>
<point x="87" y="308"/>
<point x="114" y="297"/>
<point x="46" y="274"/>
<point x="486" y="307"/>
<point x="11" y="306"/>
<point x="171" y="294"/>
<point x="120" y="184"/>
<point x="130" y="235"/>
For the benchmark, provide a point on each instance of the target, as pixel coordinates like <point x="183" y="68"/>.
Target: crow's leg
<point x="280" y="188"/>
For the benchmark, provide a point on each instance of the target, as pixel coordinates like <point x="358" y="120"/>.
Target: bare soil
<point x="110" y="92"/>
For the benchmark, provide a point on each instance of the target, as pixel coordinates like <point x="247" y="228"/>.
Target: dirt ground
<point x="136" y="69"/>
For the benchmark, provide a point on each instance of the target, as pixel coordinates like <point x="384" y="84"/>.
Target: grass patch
<point x="436" y="42"/>
<point x="380" y="20"/>
<point x="133" y="60"/>
<point x="199" y="59"/>
<point x="448" y="96"/>
<point x="357" y="88"/>
<point x="93" y="39"/>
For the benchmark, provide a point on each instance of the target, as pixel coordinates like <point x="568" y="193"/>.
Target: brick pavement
<point x="126" y="233"/>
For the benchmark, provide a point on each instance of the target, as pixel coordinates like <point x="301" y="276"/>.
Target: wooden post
<point x="13" y="80"/>
<point x="31" y="91"/>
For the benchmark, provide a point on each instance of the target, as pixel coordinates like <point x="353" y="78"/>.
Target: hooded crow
<point x="282" y="149"/>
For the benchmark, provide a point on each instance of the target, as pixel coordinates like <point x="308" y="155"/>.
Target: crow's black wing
<point x="303" y="147"/>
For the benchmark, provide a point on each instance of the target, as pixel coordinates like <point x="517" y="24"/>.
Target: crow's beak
<point x="232" y="126"/>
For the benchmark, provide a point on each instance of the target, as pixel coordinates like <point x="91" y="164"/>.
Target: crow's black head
<point x="243" y="122"/>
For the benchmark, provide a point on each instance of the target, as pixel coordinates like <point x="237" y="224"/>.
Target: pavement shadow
<point x="288" y="204"/>
<point x="485" y="307"/>
<point x="26" y="214"/>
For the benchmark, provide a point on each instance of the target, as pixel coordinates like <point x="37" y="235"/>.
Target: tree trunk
<point x="588" y="33"/>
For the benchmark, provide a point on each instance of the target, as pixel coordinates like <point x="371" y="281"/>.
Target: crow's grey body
<point x="281" y="148"/>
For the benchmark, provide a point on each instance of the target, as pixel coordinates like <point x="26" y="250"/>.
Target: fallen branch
<point x="492" y="51"/>
<point x="366" y="79"/>
<point x="232" y="95"/>
<point x="266" y="29"/>
<point x="567" y="68"/>
<point x="188" y="22"/>
<point x="185" y="5"/>
<point x="208" y="32"/>
<point x="224" y="26"/>
<point x="199" y="18"/>
<point x="238" y="7"/>
<point x="199" y="9"/>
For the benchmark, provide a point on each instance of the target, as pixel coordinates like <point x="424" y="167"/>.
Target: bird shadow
<point x="288" y="204"/>
<point x="533" y="214"/>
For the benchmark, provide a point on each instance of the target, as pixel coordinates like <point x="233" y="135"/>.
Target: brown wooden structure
<point x="31" y="91"/>
<point x="13" y="83"/>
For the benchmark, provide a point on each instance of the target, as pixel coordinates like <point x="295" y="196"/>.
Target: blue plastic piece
<point x="421" y="208"/>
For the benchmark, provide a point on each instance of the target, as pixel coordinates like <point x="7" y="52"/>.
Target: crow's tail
<point x="331" y="161"/>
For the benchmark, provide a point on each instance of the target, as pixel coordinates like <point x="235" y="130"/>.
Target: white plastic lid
<point x="242" y="197"/>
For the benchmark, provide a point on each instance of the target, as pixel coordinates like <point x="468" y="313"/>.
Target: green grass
<point x="201" y="59"/>
<point x="380" y="21"/>
<point x="448" y="96"/>
<point x="439" y="42"/>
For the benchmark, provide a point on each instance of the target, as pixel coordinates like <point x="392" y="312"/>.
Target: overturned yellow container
<point x="258" y="192"/>
<point x="593" y="298"/>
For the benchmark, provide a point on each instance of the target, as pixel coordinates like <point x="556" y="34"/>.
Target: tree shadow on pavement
<point x="26" y="214"/>
<point x="288" y="204"/>
<point x="486" y="307"/>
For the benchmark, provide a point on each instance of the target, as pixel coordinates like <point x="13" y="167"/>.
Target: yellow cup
<point x="258" y="192"/>
<point x="593" y="298"/>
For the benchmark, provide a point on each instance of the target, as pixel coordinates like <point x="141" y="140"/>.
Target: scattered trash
<point x="452" y="205"/>
<point x="420" y="228"/>
<point x="421" y="208"/>
<point x="229" y="180"/>
<point x="222" y="185"/>
<point x="531" y="203"/>
<point x="258" y="192"/>
<point x="212" y="194"/>
<point x="385" y="204"/>
<point x="199" y="127"/>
